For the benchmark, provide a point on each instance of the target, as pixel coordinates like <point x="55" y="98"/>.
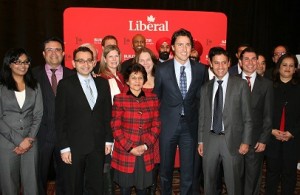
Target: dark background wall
<point x="261" y="23"/>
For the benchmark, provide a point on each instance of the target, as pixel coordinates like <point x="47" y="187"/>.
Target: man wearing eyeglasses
<point x="48" y="76"/>
<point x="82" y="116"/>
<point x="278" y="51"/>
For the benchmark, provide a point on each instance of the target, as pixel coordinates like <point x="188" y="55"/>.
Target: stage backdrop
<point x="90" y="25"/>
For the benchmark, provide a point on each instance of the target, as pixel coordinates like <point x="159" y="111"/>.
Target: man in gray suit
<point x="261" y="107"/>
<point x="225" y="125"/>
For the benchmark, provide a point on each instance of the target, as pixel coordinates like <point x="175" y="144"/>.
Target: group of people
<point x="107" y="121"/>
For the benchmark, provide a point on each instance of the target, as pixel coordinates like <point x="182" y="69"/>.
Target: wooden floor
<point x="176" y="181"/>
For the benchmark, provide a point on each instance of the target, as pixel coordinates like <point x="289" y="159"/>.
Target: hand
<point x="138" y="151"/>
<point x="200" y="149"/>
<point x="26" y="144"/>
<point x="260" y="147"/>
<point x="286" y="136"/>
<point x="108" y="149"/>
<point x="66" y="157"/>
<point x="19" y="150"/>
<point x="244" y="148"/>
<point x="279" y="135"/>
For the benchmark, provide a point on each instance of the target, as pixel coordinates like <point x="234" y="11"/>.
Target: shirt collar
<point x="142" y="94"/>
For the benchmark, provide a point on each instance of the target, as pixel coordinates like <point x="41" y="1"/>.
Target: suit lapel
<point x="80" y="93"/>
<point x="29" y="96"/>
<point x="229" y="92"/>
<point x="210" y="93"/>
<point x="173" y="78"/>
<point x="46" y="81"/>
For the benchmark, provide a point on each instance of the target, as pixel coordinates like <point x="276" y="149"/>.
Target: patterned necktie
<point x="183" y="84"/>
<point x="53" y="81"/>
<point x="218" y="109"/>
<point x="89" y="94"/>
<point x="248" y="81"/>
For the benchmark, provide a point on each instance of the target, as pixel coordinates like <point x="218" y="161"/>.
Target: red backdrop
<point x="90" y="25"/>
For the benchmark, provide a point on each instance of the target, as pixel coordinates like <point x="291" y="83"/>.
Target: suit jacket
<point x="78" y="127"/>
<point x="17" y="123"/>
<point x="262" y="109"/>
<point x="47" y="131"/>
<point x="236" y="114"/>
<point x="171" y="100"/>
<point x="234" y="70"/>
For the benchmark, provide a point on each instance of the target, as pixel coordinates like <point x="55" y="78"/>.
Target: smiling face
<point x="84" y="63"/>
<point x="220" y="65"/>
<point x="53" y="53"/>
<point x="182" y="49"/>
<point x="146" y="61"/>
<point x="287" y="69"/>
<point x="135" y="82"/>
<point x="112" y="60"/>
<point x="249" y="62"/>
<point x="20" y="67"/>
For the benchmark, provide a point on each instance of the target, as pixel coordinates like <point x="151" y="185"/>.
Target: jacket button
<point x="21" y="128"/>
<point x="140" y="112"/>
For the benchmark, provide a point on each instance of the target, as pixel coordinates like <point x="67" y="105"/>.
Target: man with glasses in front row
<point x="48" y="76"/>
<point x="82" y="117"/>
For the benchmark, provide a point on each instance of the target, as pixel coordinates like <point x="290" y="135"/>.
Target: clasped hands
<point x="139" y="150"/>
<point x="24" y="146"/>
<point x="282" y="135"/>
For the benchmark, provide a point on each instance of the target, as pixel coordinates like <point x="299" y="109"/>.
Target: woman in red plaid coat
<point x="136" y="127"/>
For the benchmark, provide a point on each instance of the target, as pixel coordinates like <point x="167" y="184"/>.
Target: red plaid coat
<point x="135" y="121"/>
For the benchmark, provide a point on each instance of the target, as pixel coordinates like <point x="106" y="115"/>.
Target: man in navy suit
<point x="177" y="84"/>
<point x="82" y="116"/>
<point x="53" y="52"/>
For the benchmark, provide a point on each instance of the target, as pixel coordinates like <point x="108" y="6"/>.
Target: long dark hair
<point x="276" y="74"/>
<point x="7" y="79"/>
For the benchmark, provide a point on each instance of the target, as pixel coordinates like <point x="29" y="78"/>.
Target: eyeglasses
<point x="19" y="62"/>
<point x="82" y="61"/>
<point x="56" y="50"/>
<point x="279" y="54"/>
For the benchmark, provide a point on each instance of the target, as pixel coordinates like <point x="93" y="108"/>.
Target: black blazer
<point x="167" y="90"/>
<point x="47" y="132"/>
<point x="78" y="127"/>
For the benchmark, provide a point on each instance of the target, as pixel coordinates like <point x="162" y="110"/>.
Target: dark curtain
<point x="261" y="23"/>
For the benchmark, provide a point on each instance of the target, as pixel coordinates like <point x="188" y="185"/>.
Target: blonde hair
<point x="103" y="64"/>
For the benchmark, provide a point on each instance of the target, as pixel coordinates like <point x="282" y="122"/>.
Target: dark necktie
<point x="54" y="81"/>
<point x="182" y="85"/>
<point x="248" y="81"/>
<point x="218" y="109"/>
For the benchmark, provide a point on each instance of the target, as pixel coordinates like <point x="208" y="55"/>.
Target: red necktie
<point x="248" y="81"/>
<point x="282" y="120"/>
<point x="54" y="80"/>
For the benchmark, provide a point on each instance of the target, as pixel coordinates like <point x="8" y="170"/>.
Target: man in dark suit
<point x="53" y="53"/>
<point x="225" y="125"/>
<point x="177" y="84"/>
<point x="261" y="104"/>
<point x="82" y="116"/>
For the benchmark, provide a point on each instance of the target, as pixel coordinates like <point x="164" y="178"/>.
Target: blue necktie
<point x="218" y="109"/>
<point x="89" y="93"/>
<point x="182" y="84"/>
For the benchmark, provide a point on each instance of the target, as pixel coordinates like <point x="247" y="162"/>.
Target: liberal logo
<point x="149" y="25"/>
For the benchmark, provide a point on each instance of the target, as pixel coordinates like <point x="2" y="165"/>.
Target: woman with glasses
<point x="21" y="110"/>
